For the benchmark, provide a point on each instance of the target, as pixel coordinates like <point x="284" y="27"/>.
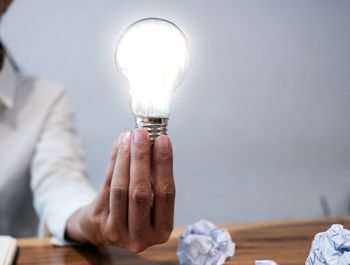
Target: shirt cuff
<point x="55" y="224"/>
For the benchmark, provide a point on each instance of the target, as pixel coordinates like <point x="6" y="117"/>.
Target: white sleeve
<point x="58" y="177"/>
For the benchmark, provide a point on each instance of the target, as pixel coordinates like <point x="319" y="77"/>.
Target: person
<point x="41" y="161"/>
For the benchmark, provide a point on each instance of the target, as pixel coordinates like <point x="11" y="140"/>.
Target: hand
<point x="135" y="206"/>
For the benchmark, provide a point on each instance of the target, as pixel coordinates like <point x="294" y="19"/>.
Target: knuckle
<point x="137" y="247"/>
<point x="95" y="221"/>
<point x="168" y="194"/>
<point x="96" y="237"/>
<point x="140" y="154"/>
<point x="107" y="180"/>
<point x="114" y="234"/>
<point x="141" y="196"/>
<point x="164" y="159"/>
<point x="119" y="193"/>
<point x="113" y="237"/>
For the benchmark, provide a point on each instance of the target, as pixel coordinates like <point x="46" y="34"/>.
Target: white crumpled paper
<point x="205" y="244"/>
<point x="331" y="247"/>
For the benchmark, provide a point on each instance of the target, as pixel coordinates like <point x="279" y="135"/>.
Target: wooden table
<point x="285" y="242"/>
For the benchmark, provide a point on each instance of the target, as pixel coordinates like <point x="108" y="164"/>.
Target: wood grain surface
<point x="285" y="242"/>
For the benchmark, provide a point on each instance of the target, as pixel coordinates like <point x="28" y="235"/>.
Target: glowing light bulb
<point x="153" y="55"/>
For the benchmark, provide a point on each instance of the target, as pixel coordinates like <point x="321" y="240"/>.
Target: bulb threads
<point x="155" y="126"/>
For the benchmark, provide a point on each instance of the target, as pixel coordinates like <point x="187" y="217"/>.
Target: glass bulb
<point x="153" y="55"/>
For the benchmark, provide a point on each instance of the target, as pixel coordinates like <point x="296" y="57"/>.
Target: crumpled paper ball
<point x="331" y="247"/>
<point x="205" y="244"/>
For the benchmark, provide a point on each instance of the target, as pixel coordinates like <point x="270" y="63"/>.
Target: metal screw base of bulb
<point x="155" y="126"/>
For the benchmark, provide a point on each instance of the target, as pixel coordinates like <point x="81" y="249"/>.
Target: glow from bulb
<point x="153" y="56"/>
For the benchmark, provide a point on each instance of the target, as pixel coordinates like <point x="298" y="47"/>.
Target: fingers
<point x="164" y="187"/>
<point x="103" y="196"/>
<point x="118" y="202"/>
<point x="93" y="221"/>
<point x="140" y="190"/>
<point x="110" y="168"/>
<point x="123" y="213"/>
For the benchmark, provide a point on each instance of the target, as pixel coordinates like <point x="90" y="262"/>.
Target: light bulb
<point x="153" y="55"/>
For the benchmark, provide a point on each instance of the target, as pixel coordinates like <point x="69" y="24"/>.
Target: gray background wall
<point x="260" y="126"/>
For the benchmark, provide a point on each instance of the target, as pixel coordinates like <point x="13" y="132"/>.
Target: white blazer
<point x="40" y="158"/>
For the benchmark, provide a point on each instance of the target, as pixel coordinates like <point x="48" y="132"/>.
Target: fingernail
<point x="163" y="143"/>
<point x="139" y="136"/>
<point x="126" y="138"/>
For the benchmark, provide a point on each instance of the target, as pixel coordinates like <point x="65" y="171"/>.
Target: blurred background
<point x="261" y="123"/>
